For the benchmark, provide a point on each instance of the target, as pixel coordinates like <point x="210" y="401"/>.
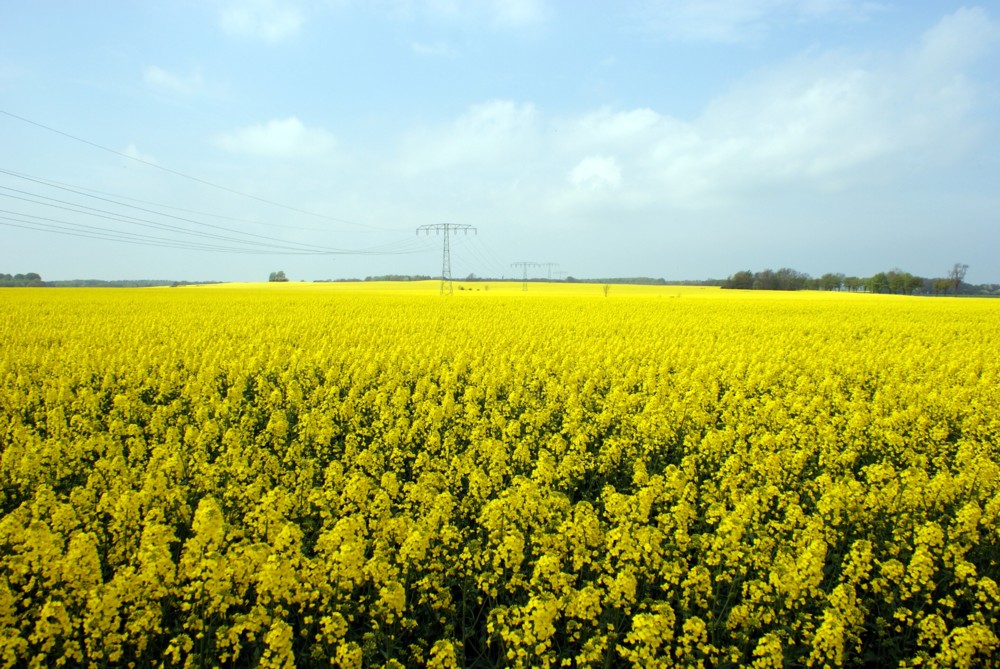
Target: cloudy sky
<point x="683" y="139"/>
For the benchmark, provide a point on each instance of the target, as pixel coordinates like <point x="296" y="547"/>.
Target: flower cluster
<point x="319" y="476"/>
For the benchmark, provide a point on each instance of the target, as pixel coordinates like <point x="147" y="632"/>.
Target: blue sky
<point x="223" y="140"/>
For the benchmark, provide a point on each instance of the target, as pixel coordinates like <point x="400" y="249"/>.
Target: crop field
<point x="374" y="475"/>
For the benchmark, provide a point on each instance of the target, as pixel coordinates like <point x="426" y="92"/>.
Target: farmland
<point x="373" y="475"/>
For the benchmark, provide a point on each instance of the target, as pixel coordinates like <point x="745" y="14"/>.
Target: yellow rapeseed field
<point x="375" y="475"/>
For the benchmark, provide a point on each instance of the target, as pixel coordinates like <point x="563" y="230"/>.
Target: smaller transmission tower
<point x="525" y="264"/>
<point x="550" y="265"/>
<point x="447" y="229"/>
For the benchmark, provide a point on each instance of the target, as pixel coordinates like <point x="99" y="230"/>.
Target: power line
<point x="80" y="208"/>
<point x="282" y="245"/>
<point x="472" y="248"/>
<point x="272" y="246"/>
<point x="57" y="226"/>
<point x="105" y="214"/>
<point x="486" y="253"/>
<point x="188" y="176"/>
<point x="86" y="191"/>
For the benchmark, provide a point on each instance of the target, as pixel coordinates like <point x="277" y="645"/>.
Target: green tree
<point x="879" y="283"/>
<point x="787" y="278"/>
<point x="740" y="280"/>
<point x="942" y="285"/>
<point x="853" y="283"/>
<point x="278" y="276"/>
<point x="898" y="280"/>
<point x="914" y="283"/>
<point x="831" y="281"/>
<point x="28" y="279"/>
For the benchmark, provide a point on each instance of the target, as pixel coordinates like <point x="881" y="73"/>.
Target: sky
<point x="222" y="140"/>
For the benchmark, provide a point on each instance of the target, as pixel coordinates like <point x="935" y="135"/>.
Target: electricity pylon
<point x="550" y="265"/>
<point x="525" y="264"/>
<point x="447" y="229"/>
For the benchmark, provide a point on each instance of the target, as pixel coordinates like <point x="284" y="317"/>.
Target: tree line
<point x="32" y="279"/>
<point x="29" y="279"/>
<point x="894" y="281"/>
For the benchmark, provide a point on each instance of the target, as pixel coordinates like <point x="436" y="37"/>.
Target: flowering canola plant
<point x="302" y="475"/>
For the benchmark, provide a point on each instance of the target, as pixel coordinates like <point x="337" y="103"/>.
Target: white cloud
<point x="806" y="122"/>
<point x="187" y="85"/>
<point x="498" y="13"/>
<point x="488" y="133"/>
<point x="434" y="49"/>
<point x="741" y="20"/>
<point x="596" y="173"/>
<point x="269" y="20"/>
<point x="279" y="138"/>
<point x="958" y="39"/>
<point x="517" y="12"/>
<point x="819" y="124"/>
<point x="618" y="131"/>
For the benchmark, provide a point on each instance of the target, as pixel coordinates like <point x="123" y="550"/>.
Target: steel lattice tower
<point x="525" y="264"/>
<point x="550" y="265"/>
<point x="447" y="229"/>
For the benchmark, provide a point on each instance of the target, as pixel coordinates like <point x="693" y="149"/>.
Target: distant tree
<point x="768" y="279"/>
<point x="957" y="275"/>
<point x="853" y="283"/>
<point x="830" y="281"/>
<point x="894" y="281"/>
<point x="879" y="283"/>
<point x="28" y="279"/>
<point x="740" y="280"/>
<point x="898" y="280"/>
<point x="399" y="277"/>
<point x="765" y="280"/>
<point x="790" y="279"/>
<point x="941" y="286"/>
<point x="277" y="276"/>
